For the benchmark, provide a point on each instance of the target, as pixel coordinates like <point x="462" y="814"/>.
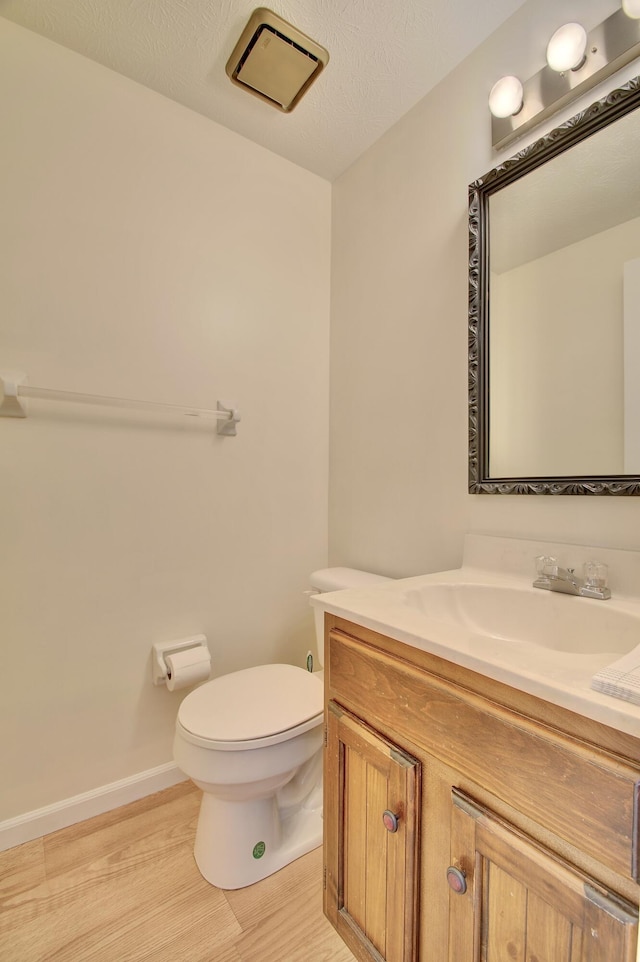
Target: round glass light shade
<point x="567" y="47"/>
<point x="505" y="98"/>
<point x="632" y="8"/>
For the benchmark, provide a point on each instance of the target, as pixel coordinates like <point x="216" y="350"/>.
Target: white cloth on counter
<point x="621" y="679"/>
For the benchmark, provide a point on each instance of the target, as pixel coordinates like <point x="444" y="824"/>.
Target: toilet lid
<point x="252" y="703"/>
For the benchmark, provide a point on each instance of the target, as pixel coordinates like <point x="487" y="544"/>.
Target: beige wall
<point x="147" y="252"/>
<point x="398" y="462"/>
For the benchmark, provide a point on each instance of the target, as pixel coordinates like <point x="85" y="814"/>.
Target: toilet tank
<point x="335" y="579"/>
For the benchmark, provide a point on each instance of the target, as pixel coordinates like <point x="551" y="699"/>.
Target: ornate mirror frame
<point x="599" y="115"/>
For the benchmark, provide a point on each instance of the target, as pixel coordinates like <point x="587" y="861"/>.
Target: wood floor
<point x="123" y="887"/>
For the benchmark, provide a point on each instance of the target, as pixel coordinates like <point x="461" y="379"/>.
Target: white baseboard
<point x="42" y="821"/>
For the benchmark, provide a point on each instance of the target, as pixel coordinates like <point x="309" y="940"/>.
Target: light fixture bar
<point x="612" y="44"/>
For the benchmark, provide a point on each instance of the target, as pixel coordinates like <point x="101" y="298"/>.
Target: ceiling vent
<point x="274" y="61"/>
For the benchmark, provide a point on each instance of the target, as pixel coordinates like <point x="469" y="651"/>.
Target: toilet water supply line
<point x="14" y="389"/>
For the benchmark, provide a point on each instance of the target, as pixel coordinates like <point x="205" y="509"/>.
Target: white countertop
<point x="560" y="677"/>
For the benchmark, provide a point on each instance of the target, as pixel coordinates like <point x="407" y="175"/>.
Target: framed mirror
<point x="554" y="310"/>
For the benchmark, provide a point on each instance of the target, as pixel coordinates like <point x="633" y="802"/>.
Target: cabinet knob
<point x="456" y="880"/>
<point x="390" y="821"/>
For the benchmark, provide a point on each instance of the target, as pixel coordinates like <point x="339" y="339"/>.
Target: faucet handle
<point x="595" y="574"/>
<point x="546" y="566"/>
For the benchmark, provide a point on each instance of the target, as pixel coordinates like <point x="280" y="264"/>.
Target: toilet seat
<point x="252" y="708"/>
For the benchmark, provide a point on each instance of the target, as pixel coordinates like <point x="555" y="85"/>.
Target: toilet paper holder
<point x="160" y="649"/>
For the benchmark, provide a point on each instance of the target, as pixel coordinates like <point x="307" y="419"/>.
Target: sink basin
<point x="487" y="617"/>
<point x="543" y="618"/>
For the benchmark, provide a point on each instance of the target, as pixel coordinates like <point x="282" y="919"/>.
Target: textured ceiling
<point x="385" y="56"/>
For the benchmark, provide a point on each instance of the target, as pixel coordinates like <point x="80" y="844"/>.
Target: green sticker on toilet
<point x="259" y="849"/>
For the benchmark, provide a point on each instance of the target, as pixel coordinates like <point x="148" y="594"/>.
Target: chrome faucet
<point x="552" y="577"/>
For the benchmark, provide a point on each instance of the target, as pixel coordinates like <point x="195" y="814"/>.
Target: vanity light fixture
<point x="576" y="61"/>
<point x="567" y="48"/>
<point x="505" y="98"/>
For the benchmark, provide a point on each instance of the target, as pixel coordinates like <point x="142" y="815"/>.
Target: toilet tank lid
<point x="334" y="579"/>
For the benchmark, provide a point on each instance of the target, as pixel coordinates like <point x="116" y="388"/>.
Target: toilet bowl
<point x="252" y="741"/>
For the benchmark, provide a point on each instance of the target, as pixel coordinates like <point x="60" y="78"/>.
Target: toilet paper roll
<point x="187" y="667"/>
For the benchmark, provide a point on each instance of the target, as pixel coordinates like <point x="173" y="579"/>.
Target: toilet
<point x="252" y="741"/>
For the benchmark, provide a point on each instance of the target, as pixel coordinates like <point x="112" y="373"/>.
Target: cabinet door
<point x="523" y="904"/>
<point x="371" y="811"/>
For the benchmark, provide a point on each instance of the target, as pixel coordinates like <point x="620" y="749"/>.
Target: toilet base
<point x="240" y="842"/>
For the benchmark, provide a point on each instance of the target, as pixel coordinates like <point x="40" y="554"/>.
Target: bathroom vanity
<point x="469" y="816"/>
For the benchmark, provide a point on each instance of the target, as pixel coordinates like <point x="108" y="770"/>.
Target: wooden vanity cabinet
<point x="521" y="902"/>
<point x="469" y="822"/>
<point x="375" y="905"/>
